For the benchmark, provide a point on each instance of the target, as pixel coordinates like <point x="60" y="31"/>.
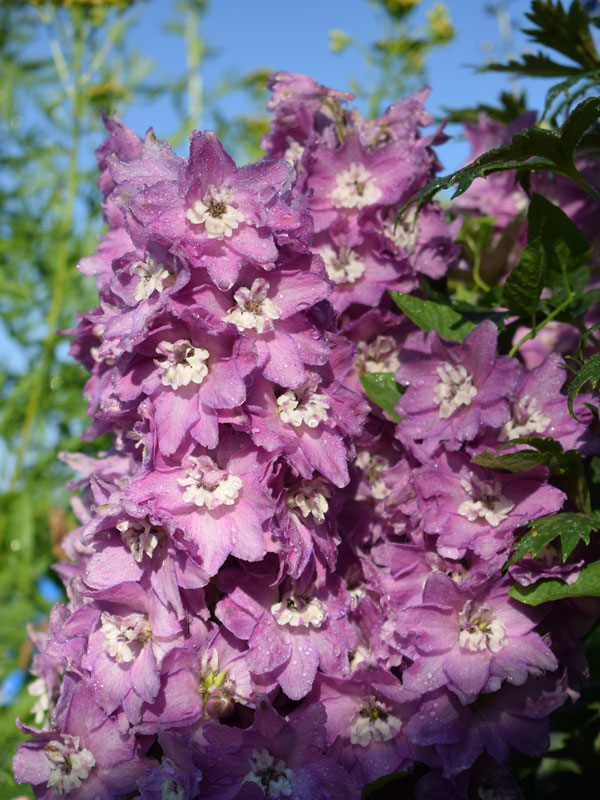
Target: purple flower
<point x="275" y="757"/>
<point x="514" y="716"/>
<point x="290" y="631"/>
<point x="458" y="390"/>
<point x="215" y="498"/>
<point x="366" y="714"/>
<point x="88" y="756"/>
<point x="469" y="641"/>
<point x="469" y="507"/>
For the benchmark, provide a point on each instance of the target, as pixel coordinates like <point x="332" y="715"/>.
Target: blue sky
<point x="294" y="36"/>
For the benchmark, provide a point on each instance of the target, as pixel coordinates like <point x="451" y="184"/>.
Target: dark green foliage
<point x="566" y="29"/>
<point x="545" y="591"/>
<point x="589" y="372"/>
<point x="430" y="316"/>
<point x="569" y="527"/>
<point x="548" y="453"/>
<point x="532" y="149"/>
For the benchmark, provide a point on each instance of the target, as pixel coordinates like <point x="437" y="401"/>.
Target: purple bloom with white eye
<point x="290" y="631"/>
<point x="199" y="682"/>
<point x="129" y="636"/>
<point x="88" y="756"/>
<point x="469" y="641"/>
<point x="303" y="522"/>
<point x="210" y="212"/>
<point x="368" y="712"/>
<point x="351" y="180"/>
<point x="423" y="243"/>
<point x="360" y="273"/>
<point x="460" y="389"/>
<point x="469" y="507"/>
<point x="274" y="758"/>
<point x="266" y="314"/>
<point x="215" y="498"/>
<point x="312" y="423"/>
<point x="133" y="548"/>
<point x="188" y="375"/>
<point x="540" y="409"/>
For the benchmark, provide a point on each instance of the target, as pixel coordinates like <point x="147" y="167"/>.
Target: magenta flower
<point x="460" y="389"/>
<point x="469" y="507"/>
<point x="469" y="641"/>
<point x="290" y="631"/>
<point x="275" y="757"/>
<point x="88" y="756"/>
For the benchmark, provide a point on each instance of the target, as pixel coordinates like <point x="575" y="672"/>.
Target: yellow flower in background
<point x="440" y="23"/>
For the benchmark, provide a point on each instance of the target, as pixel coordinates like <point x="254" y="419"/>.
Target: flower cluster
<point x="275" y="591"/>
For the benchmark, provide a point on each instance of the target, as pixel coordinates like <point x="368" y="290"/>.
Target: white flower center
<point x="273" y="777"/>
<point x="216" y="213"/>
<point x="361" y="655"/>
<point x="296" y="610"/>
<point x="124" y="637"/>
<point x="183" y="363"/>
<point x="404" y="233"/>
<point x="152" y="277"/>
<point x="355" y="188"/>
<point x="310" y="498"/>
<point x="207" y="485"/>
<point x="374" y="723"/>
<point x="454" y="390"/>
<point x="254" y="309"/>
<point x="140" y="537"/>
<point x="171" y="790"/>
<point x="480" y="630"/>
<point x="375" y="467"/>
<point x="294" y="152"/>
<point x="303" y="406"/>
<point x="343" y="266"/>
<point x="380" y="355"/>
<point x="38" y="688"/>
<point x="70" y="764"/>
<point x="527" y="419"/>
<point x="487" y="501"/>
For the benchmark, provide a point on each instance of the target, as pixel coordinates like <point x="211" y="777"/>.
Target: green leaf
<point x="380" y="783"/>
<point x="586" y="585"/>
<point x="532" y="149"/>
<point x="570" y="527"/>
<point x="430" y="316"/>
<point x="382" y="389"/>
<point x="535" y="65"/>
<point x="566" y="30"/>
<point x="565" y="245"/>
<point x="548" y="453"/>
<point x="582" y="80"/>
<point x="523" y="287"/>
<point x="590" y="371"/>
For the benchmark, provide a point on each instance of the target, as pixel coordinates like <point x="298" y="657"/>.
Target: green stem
<point x="194" y="54"/>
<point x="534" y="331"/>
<point x="64" y="228"/>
